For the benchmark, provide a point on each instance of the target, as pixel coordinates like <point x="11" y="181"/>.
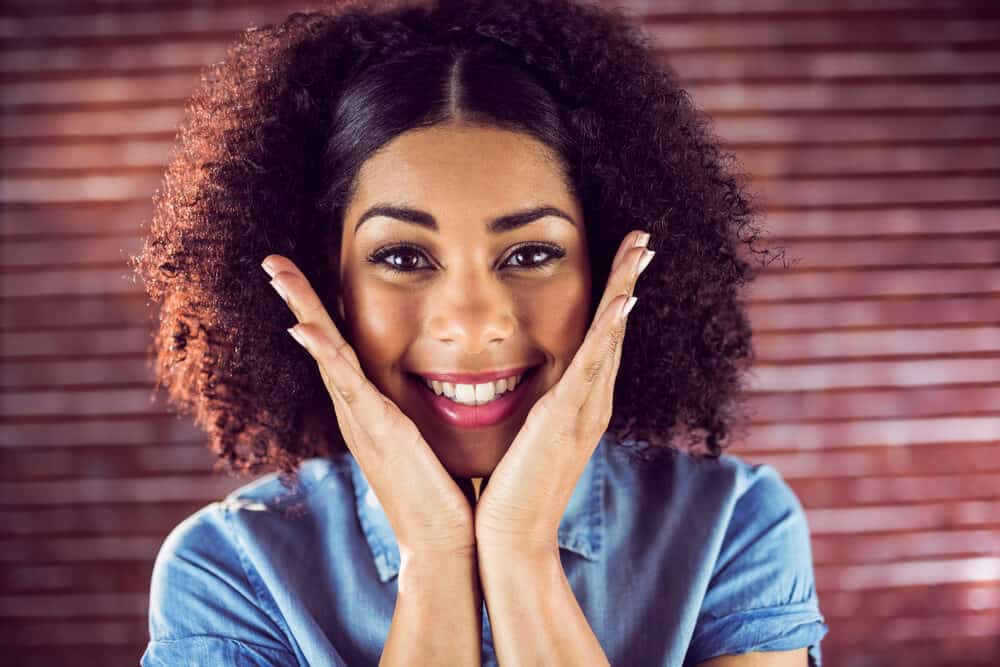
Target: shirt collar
<point x="581" y="529"/>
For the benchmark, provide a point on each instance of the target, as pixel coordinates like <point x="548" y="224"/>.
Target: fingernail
<point x="646" y="258"/>
<point x="267" y="267"/>
<point x="297" y="336"/>
<point x="280" y="290"/>
<point x="628" y="305"/>
<point x="643" y="240"/>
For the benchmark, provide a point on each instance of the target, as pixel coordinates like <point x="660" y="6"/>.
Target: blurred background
<point x="871" y="131"/>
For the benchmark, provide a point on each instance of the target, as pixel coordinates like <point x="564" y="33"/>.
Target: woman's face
<point x="468" y="294"/>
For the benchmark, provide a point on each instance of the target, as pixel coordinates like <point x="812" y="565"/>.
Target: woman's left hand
<point x="523" y="500"/>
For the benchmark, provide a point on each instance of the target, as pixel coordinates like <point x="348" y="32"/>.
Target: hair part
<point x="268" y="158"/>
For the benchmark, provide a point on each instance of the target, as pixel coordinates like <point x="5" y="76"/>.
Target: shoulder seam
<point x="253" y="578"/>
<point x="168" y="640"/>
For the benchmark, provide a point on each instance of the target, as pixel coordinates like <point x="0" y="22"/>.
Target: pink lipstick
<point x="473" y="416"/>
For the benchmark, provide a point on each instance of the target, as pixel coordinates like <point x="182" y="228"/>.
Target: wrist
<point x="504" y="568"/>
<point x="438" y="613"/>
<point x="522" y="552"/>
<point x="457" y="547"/>
<point x="430" y="559"/>
<point x="439" y="576"/>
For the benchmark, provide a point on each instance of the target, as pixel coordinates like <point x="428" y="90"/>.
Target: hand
<point x="522" y="502"/>
<point x="430" y="511"/>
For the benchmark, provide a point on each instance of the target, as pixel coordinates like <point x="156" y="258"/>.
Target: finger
<point x="634" y="238"/>
<point x="350" y="429"/>
<point x="589" y="378"/>
<point x="602" y="394"/>
<point x="305" y="304"/>
<point x="592" y="369"/>
<point x="359" y="403"/>
<point x="622" y="279"/>
<point x="602" y="340"/>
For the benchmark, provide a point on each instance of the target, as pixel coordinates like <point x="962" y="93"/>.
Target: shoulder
<point x="209" y="531"/>
<point x="744" y="537"/>
<point x="766" y="518"/>
<point x="204" y="577"/>
<point x="717" y="488"/>
<point x="199" y="544"/>
<point x="200" y="590"/>
<point x="734" y="479"/>
<point x="264" y="505"/>
<point x="752" y="522"/>
<point x="761" y="593"/>
<point x="763" y="503"/>
<point x="719" y="506"/>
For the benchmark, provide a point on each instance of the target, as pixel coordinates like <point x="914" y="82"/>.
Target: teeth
<point x="477" y="394"/>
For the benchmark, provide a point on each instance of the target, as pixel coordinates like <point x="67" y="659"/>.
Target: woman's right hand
<point x="430" y="511"/>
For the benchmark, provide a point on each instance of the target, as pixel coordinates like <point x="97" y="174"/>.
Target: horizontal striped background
<point x="871" y="131"/>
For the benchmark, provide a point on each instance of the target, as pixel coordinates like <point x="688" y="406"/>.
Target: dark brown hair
<point x="268" y="154"/>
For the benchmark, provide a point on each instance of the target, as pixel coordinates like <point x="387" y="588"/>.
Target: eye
<point x="398" y="258"/>
<point x="537" y="255"/>
<point x="404" y="258"/>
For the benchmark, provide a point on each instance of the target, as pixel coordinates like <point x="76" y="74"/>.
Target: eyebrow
<point x="504" y="223"/>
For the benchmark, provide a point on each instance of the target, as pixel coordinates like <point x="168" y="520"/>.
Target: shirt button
<point x="371" y="500"/>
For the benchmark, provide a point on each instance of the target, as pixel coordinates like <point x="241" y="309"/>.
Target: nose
<point x="472" y="312"/>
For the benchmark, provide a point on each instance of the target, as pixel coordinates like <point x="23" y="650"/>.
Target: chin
<point x="468" y="472"/>
<point x="470" y="460"/>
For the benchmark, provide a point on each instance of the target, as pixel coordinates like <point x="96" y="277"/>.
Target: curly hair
<point x="266" y="159"/>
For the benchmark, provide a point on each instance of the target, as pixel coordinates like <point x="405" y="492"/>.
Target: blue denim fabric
<point x="672" y="562"/>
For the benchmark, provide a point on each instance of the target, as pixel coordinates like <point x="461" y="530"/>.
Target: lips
<point x="473" y="416"/>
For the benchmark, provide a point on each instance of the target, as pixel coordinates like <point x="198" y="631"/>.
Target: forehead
<point x="458" y="169"/>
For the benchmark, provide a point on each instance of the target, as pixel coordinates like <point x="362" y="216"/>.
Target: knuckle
<point x="593" y="370"/>
<point x="386" y="414"/>
<point x="346" y="394"/>
<point x="615" y="337"/>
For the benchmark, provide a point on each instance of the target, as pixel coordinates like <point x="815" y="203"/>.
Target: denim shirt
<point x="672" y="562"/>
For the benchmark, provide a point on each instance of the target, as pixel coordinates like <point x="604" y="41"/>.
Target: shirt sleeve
<point x="203" y="608"/>
<point x="761" y="596"/>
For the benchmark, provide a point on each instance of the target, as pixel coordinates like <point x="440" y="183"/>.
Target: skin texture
<point x="219" y="352"/>
<point x="513" y="529"/>
<point x="475" y="306"/>
<point x="501" y="547"/>
<point x="794" y="658"/>
<point x="253" y="150"/>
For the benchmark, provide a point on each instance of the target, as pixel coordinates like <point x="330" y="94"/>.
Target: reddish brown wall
<point x="871" y="131"/>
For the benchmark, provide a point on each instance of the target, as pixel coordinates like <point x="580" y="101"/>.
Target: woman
<point x="479" y="462"/>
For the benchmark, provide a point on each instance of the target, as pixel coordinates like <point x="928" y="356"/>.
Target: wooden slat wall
<point x="871" y="129"/>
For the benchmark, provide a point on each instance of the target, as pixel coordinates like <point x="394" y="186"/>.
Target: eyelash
<point x="378" y="257"/>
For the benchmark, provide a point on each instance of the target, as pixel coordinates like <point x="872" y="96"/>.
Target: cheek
<point x="382" y="322"/>
<point x="556" y="316"/>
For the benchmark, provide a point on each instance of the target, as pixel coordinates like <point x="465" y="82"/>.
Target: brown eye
<point x="535" y="256"/>
<point x="401" y="258"/>
<point x="398" y="258"/>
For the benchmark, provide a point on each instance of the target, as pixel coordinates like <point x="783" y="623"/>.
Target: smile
<point x="474" y="394"/>
<point x="475" y="405"/>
